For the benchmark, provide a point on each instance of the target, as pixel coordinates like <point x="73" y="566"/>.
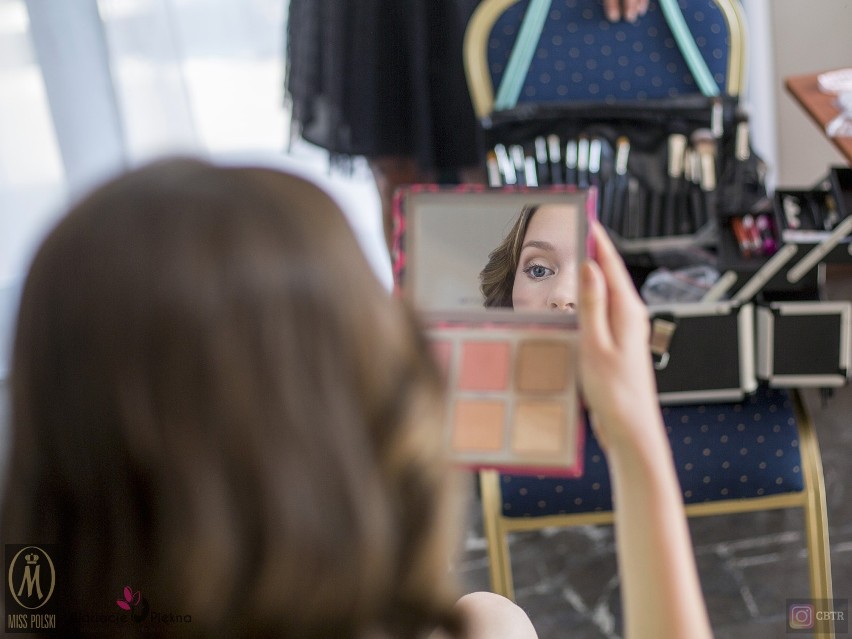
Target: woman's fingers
<point x="630" y="10"/>
<point x="624" y="306"/>
<point x="593" y="311"/>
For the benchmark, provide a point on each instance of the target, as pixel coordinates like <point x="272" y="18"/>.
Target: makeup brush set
<point x="663" y="169"/>
<point x="677" y="178"/>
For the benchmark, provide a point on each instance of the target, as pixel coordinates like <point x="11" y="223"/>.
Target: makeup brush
<point x="571" y="162"/>
<point x="717" y="119"/>
<point x="555" y="156"/>
<point x="493" y="169"/>
<point x="516" y="153"/>
<point x="595" y="151"/>
<point x="637" y="216"/>
<point x="505" y="165"/>
<point x="620" y="223"/>
<point x="583" y="162"/>
<point x="741" y="156"/>
<point x="676" y="147"/>
<point x="530" y="176"/>
<point x="705" y="146"/>
<point x="692" y="172"/>
<point x="542" y="164"/>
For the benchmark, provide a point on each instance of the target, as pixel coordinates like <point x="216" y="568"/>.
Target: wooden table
<point x="820" y="106"/>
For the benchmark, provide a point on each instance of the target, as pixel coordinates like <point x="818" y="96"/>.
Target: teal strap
<point x="688" y="48"/>
<point x="522" y="55"/>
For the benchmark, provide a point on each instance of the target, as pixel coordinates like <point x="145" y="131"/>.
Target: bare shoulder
<point x="491" y="616"/>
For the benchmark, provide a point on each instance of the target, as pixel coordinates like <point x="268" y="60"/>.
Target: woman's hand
<point x="616" y="374"/>
<point x="630" y="10"/>
<point x="659" y="581"/>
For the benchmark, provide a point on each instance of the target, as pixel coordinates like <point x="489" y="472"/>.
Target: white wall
<point x="808" y="36"/>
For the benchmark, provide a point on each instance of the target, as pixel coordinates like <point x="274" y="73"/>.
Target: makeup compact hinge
<point x="662" y="331"/>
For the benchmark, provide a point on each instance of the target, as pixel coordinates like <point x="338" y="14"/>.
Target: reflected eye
<point x="537" y="271"/>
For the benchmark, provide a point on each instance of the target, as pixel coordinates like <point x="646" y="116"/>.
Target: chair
<point x="582" y="56"/>
<point x="758" y="454"/>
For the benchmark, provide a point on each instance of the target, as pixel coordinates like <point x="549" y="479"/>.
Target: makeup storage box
<point x="803" y="343"/>
<point x="703" y="352"/>
<point x="819" y="218"/>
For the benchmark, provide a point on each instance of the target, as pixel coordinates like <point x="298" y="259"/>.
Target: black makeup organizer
<point x="677" y="183"/>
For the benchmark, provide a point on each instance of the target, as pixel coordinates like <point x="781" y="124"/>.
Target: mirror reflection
<point x="535" y="267"/>
<point x="468" y="250"/>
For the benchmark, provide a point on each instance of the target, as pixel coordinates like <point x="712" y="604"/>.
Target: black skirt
<point x="382" y="77"/>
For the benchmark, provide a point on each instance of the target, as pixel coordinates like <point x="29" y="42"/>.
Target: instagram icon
<point x="800" y="616"/>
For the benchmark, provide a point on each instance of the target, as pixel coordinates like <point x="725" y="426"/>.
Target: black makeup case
<point x="778" y="247"/>
<point x="785" y="333"/>
<point x="664" y="169"/>
<point x="820" y="217"/>
<point x="801" y="344"/>
<point x="703" y="352"/>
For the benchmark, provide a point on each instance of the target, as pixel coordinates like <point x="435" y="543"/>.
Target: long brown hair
<point x="498" y="277"/>
<point x="216" y="403"/>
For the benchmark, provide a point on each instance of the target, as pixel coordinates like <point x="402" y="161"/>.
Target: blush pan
<point x="484" y="366"/>
<point x="512" y="400"/>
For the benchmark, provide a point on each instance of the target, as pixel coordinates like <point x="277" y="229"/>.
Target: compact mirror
<point x="445" y="237"/>
<point x="511" y="369"/>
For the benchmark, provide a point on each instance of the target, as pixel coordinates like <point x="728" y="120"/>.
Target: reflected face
<point x="547" y="275"/>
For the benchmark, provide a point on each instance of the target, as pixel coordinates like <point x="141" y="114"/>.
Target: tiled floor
<point x="749" y="564"/>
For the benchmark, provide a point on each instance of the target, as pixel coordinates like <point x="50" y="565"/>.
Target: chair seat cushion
<point x="721" y="451"/>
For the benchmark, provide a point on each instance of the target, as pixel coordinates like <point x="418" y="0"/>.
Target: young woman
<point x="535" y="268"/>
<point x="219" y="411"/>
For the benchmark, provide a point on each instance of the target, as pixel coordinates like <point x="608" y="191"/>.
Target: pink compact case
<point x="512" y="400"/>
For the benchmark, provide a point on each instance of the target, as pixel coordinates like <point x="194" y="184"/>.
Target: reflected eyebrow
<point x="539" y="244"/>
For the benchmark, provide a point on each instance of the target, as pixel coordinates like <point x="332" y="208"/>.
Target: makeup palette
<point x="511" y="377"/>
<point x="512" y="399"/>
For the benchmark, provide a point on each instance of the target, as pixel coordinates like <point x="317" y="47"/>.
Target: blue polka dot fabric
<point x="583" y="56"/>
<point x="721" y="451"/>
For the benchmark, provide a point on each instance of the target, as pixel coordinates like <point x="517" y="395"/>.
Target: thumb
<point x="593" y="312"/>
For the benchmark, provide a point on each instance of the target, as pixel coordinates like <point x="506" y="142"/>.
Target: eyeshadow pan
<point x="484" y="366"/>
<point x="543" y="366"/>
<point x="539" y="426"/>
<point x="478" y="425"/>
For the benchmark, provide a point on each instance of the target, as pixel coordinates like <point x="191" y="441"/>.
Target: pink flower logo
<point x="131" y="599"/>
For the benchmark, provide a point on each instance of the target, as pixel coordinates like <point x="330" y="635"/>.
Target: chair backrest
<point x="582" y="56"/>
